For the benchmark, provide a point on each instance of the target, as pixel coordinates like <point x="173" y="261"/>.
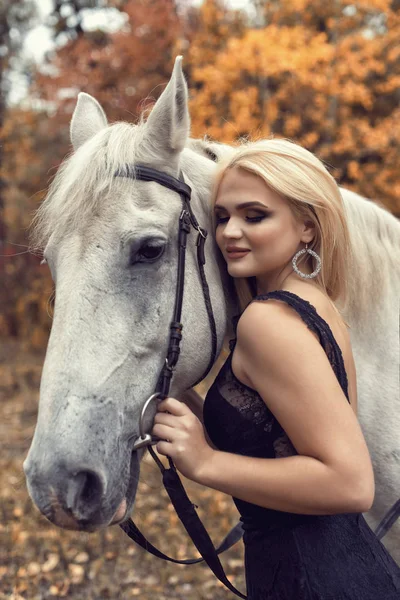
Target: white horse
<point x="111" y="245"/>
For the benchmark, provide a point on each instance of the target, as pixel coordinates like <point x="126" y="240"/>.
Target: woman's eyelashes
<point x="256" y="219"/>
<point x="221" y="218"/>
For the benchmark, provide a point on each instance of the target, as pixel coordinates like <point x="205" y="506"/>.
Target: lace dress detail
<point x="289" y="556"/>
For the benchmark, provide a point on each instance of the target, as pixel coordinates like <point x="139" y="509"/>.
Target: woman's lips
<point x="234" y="254"/>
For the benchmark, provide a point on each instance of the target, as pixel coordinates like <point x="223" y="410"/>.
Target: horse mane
<point x="375" y="237"/>
<point x="84" y="178"/>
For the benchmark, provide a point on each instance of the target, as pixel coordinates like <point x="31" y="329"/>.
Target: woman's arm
<point x="277" y="355"/>
<point x="296" y="484"/>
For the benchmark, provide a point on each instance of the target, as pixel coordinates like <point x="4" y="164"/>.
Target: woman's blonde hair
<point x="312" y="193"/>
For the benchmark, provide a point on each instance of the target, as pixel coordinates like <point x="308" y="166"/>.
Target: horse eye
<point x="211" y="155"/>
<point x="149" y="253"/>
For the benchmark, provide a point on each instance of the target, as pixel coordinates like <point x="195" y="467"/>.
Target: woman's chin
<point x="239" y="271"/>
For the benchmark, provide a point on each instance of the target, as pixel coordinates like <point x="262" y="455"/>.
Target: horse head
<point x="111" y="244"/>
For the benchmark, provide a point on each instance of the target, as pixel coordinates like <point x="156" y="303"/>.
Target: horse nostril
<point x="84" y="491"/>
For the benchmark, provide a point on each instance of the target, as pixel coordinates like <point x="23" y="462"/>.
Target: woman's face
<point x="256" y="231"/>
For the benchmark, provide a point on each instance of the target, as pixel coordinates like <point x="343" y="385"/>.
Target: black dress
<point x="292" y="556"/>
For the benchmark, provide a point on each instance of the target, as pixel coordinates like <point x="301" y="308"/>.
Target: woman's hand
<point x="182" y="438"/>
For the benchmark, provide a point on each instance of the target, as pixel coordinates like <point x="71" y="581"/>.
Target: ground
<point x="39" y="561"/>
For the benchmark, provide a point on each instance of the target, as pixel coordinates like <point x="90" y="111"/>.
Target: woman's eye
<point x="219" y="220"/>
<point x="257" y="219"/>
<point x="149" y="253"/>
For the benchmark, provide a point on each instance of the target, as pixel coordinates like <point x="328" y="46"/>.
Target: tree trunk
<point x="4" y="31"/>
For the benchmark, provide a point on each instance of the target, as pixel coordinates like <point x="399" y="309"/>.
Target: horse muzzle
<point x="81" y="496"/>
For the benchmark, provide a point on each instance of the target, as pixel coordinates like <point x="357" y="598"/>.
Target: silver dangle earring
<point x="297" y="256"/>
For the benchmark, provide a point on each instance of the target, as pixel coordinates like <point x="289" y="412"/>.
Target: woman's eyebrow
<point x="242" y="205"/>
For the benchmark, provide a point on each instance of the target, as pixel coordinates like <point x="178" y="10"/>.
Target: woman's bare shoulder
<point x="315" y="296"/>
<point x="275" y="316"/>
<point x="310" y="293"/>
<point x="266" y="321"/>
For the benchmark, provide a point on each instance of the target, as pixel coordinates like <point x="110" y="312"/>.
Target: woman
<point x="282" y="412"/>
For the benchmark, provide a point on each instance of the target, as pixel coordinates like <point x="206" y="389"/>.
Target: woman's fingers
<point x="165" y="419"/>
<point x="173" y="406"/>
<point x="164" y="432"/>
<point x="164" y="448"/>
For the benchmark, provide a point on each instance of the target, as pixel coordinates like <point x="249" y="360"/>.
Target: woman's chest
<point x="237" y="420"/>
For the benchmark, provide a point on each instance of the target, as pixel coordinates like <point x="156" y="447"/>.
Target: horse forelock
<point x="85" y="178"/>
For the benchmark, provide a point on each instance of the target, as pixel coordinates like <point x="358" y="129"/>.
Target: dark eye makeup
<point x="256" y="219"/>
<point x="219" y="219"/>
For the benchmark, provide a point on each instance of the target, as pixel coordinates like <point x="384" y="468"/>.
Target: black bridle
<point x="185" y="509"/>
<point x="173" y="485"/>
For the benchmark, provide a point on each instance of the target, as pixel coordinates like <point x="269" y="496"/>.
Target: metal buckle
<point x="202" y="232"/>
<point x="145" y="439"/>
<point x="184" y="219"/>
<point x="168" y="367"/>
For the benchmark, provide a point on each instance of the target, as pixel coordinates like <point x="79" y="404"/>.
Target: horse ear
<point x="215" y="151"/>
<point x="88" y="119"/>
<point x="169" y="122"/>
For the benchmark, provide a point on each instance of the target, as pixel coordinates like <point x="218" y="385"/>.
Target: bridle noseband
<point x="145" y="439"/>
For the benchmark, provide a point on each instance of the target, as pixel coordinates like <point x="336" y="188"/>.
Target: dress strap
<point x="234" y="321"/>
<point x="318" y="325"/>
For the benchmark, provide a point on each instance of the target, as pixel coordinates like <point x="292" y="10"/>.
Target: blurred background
<point x="325" y="74"/>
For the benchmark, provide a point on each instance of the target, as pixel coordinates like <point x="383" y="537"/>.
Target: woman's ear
<point x="308" y="231"/>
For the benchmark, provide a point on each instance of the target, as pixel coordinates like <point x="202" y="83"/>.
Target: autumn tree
<point x="27" y="287"/>
<point x="120" y="69"/>
<point x="323" y="74"/>
<point x="15" y="18"/>
<point x="212" y="25"/>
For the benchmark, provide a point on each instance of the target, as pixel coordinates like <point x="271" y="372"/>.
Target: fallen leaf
<point x="81" y="557"/>
<point x="53" y="590"/>
<point x="77" y="573"/>
<point x="33" y="569"/>
<point x="51" y="563"/>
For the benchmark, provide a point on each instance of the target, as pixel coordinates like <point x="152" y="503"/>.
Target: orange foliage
<point x="121" y="69"/>
<point x="320" y="74"/>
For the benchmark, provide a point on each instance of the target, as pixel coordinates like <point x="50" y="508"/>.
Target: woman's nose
<point x="232" y="230"/>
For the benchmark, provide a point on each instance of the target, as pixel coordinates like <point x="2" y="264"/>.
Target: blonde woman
<point x="282" y="412"/>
